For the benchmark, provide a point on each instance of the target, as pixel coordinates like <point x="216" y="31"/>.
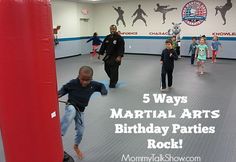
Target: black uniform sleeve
<point x="101" y="88"/>
<point x="190" y="48"/>
<point x="174" y="54"/>
<point x="103" y="46"/>
<point x="121" y="47"/>
<point x="64" y="89"/>
<point x="162" y="56"/>
<point x="90" y="40"/>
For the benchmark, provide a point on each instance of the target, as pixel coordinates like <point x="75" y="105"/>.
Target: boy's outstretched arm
<point x="90" y="40"/>
<point x="100" y="88"/>
<point x="103" y="90"/>
<point x="63" y="91"/>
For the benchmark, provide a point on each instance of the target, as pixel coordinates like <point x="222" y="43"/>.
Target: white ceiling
<point x="96" y="1"/>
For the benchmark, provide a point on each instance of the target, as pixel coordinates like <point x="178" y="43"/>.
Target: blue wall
<point x="140" y="45"/>
<point x="228" y="44"/>
<point x="72" y="46"/>
<point x="144" y="44"/>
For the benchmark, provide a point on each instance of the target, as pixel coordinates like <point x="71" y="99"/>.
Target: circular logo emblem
<point x="194" y="13"/>
<point x="84" y="11"/>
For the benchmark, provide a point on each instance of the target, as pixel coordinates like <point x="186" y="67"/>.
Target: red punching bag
<point x="29" y="116"/>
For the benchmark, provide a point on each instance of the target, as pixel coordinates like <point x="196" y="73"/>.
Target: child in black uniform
<point x="167" y="60"/>
<point x="79" y="91"/>
<point x="192" y="49"/>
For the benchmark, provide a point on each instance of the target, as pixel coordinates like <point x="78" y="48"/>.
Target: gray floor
<point x="141" y="74"/>
<point x="2" y="156"/>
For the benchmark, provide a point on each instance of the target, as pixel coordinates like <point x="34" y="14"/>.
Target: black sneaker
<point x="112" y="86"/>
<point x="67" y="158"/>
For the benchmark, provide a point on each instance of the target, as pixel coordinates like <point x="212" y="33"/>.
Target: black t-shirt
<point x="79" y="96"/>
<point x="168" y="61"/>
<point x="113" y="45"/>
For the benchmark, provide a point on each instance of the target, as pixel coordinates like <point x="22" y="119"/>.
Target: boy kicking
<point x="79" y="91"/>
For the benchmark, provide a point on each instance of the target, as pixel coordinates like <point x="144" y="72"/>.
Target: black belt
<point x="78" y="108"/>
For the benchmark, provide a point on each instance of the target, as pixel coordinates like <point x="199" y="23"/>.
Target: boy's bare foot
<point x="163" y="89"/>
<point x="78" y="152"/>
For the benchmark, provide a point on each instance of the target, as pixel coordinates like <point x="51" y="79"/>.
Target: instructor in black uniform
<point x="113" y="46"/>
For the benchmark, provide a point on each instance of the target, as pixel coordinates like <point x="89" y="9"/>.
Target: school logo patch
<point x="115" y="41"/>
<point x="194" y="13"/>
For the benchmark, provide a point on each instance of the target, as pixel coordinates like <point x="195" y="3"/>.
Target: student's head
<point x="215" y="38"/>
<point x="95" y="34"/>
<point x="202" y="40"/>
<point x="194" y="39"/>
<point x="58" y="27"/>
<point x="119" y="8"/>
<point x="113" y="29"/>
<point x="139" y="6"/>
<point x="204" y="37"/>
<point x="173" y="38"/>
<point x="169" y="44"/>
<point x="85" y="75"/>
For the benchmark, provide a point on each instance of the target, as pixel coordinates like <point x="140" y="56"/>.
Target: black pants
<point x="192" y="58"/>
<point x="112" y="72"/>
<point x="169" y="72"/>
<point x="177" y="50"/>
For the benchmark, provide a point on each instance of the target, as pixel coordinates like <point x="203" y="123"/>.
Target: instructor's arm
<point x="121" y="49"/>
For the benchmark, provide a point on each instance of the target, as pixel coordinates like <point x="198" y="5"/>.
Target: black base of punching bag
<point x="67" y="158"/>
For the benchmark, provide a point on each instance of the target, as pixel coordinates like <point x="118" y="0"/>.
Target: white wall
<point x="68" y="14"/>
<point x="213" y="24"/>
<point x="154" y="19"/>
<point x="101" y="16"/>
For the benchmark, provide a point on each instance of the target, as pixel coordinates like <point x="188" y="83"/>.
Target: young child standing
<point x="95" y="44"/>
<point x="215" y="48"/>
<point x="167" y="60"/>
<point x="174" y="43"/>
<point x="192" y="49"/>
<point x="79" y="91"/>
<point x="201" y="55"/>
